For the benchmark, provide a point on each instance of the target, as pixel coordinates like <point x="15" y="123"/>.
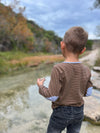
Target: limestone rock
<point x="96" y="68"/>
<point x="92" y="110"/>
<point x="96" y="84"/>
<point x="96" y="79"/>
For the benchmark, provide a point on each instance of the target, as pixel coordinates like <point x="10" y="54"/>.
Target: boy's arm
<point x="52" y="92"/>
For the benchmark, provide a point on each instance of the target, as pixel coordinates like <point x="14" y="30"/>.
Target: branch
<point x="97" y="4"/>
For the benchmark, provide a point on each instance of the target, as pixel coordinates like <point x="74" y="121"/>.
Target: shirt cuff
<point x="53" y="98"/>
<point x="89" y="91"/>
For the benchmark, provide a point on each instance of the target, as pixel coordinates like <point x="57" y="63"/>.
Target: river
<point x="22" y="109"/>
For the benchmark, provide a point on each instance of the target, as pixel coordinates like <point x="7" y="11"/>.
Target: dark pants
<point x="66" y="117"/>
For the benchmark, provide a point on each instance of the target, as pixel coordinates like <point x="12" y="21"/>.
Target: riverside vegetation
<point x="17" y="61"/>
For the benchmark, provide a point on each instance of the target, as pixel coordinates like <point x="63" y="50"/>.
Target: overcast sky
<point x="60" y="15"/>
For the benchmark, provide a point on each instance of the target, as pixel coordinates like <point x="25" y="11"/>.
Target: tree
<point x="15" y="6"/>
<point x="97" y="4"/>
<point x="14" y="31"/>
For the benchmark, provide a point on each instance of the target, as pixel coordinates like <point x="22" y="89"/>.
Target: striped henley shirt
<point x="70" y="82"/>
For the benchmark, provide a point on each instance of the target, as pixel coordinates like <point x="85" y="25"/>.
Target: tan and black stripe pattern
<point x="69" y="81"/>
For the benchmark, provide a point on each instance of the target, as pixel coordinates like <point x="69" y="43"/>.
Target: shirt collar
<point x="71" y="62"/>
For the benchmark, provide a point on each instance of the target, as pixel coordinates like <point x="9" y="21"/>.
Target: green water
<point x="22" y="109"/>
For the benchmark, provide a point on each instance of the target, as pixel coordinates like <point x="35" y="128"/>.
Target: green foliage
<point x="13" y="55"/>
<point x="89" y="44"/>
<point x="44" y="40"/>
<point x="38" y="32"/>
<point x="50" y="35"/>
<point x="2" y="66"/>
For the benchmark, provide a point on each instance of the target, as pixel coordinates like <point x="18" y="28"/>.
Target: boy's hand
<point x="40" y="81"/>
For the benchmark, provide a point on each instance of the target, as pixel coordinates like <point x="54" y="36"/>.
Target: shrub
<point x="89" y="44"/>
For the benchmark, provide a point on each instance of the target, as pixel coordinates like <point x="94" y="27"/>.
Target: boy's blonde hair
<point x="75" y="39"/>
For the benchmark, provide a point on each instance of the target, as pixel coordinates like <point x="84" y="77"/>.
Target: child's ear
<point x="83" y="50"/>
<point x="62" y="45"/>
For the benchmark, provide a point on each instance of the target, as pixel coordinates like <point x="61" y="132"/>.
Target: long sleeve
<point x="89" y="87"/>
<point x="52" y="92"/>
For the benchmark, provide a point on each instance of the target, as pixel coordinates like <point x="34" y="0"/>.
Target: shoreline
<point x="12" y="63"/>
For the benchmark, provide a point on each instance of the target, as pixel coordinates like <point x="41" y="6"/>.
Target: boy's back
<point x="74" y="80"/>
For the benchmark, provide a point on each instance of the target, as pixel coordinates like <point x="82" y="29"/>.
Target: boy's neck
<point x="70" y="57"/>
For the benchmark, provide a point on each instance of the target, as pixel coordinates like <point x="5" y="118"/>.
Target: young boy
<point x="70" y="82"/>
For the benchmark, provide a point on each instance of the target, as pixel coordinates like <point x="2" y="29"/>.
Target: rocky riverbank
<point x="96" y="80"/>
<point x="92" y="110"/>
<point x="92" y="103"/>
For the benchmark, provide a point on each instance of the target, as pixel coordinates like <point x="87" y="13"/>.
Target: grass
<point x="17" y="60"/>
<point x="16" y="55"/>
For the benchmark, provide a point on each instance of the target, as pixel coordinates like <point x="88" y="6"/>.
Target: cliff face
<point x="18" y="33"/>
<point x="45" y="41"/>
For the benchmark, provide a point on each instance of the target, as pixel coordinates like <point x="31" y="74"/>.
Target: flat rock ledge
<point x="96" y="84"/>
<point x="92" y="110"/>
<point x="96" y="80"/>
<point x="96" y="68"/>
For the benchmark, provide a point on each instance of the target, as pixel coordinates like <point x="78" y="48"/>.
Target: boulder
<point x="96" y="68"/>
<point x="96" y="84"/>
<point x="96" y="79"/>
<point x="92" y="110"/>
